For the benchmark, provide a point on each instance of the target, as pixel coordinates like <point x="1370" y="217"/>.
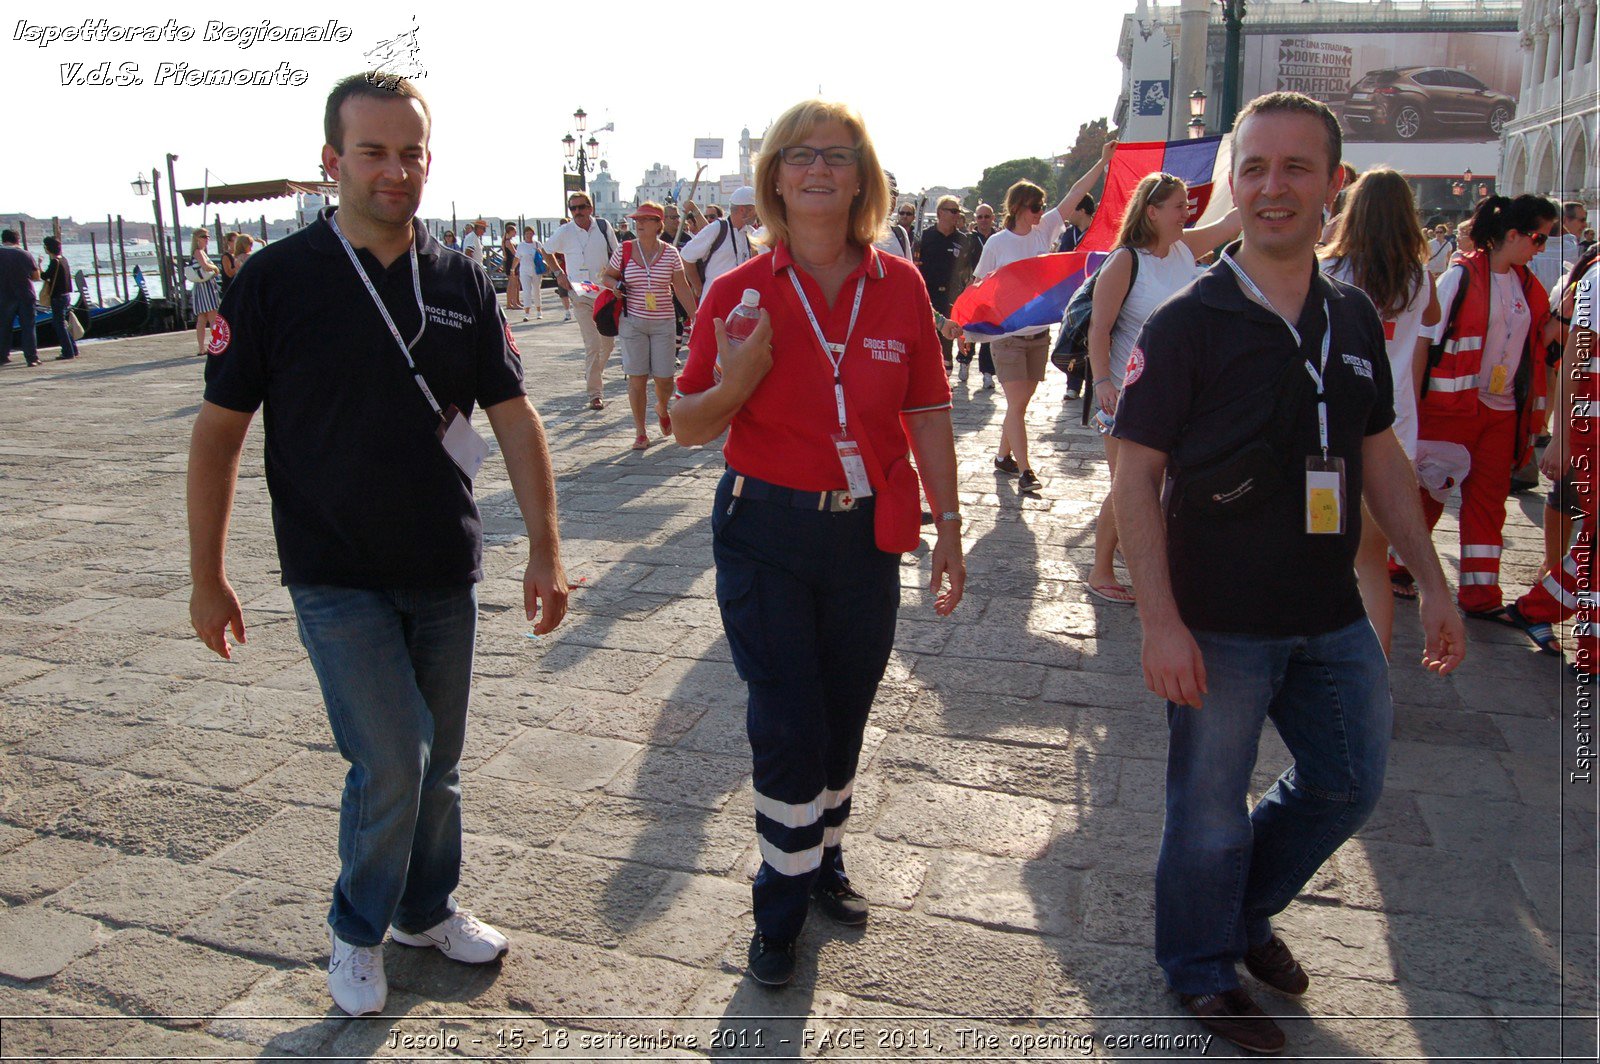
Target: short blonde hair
<point x="1153" y="190"/>
<point x="869" y="210"/>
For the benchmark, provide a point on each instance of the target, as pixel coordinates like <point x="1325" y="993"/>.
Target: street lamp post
<point x="1233" y="24"/>
<point x="581" y="154"/>
<point x="1197" y="114"/>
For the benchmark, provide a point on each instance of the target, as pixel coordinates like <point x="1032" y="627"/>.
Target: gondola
<point x="123" y="319"/>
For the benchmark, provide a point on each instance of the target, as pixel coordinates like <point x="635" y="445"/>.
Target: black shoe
<point x="65" y="358"/>
<point x="35" y="362"/>
<point x="841" y="903"/>
<point x="771" y="960"/>
<point x="1027" y="482"/>
<point x="1273" y="964"/>
<point x="1234" y="1016"/>
<point x="1007" y="464"/>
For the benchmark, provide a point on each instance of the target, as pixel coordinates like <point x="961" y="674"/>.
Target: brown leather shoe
<point x="1273" y="964"/>
<point x="1234" y="1016"/>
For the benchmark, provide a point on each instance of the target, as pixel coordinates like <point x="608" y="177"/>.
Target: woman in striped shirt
<point x="650" y="271"/>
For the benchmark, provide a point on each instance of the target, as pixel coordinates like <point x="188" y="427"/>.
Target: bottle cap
<point x="752" y="298"/>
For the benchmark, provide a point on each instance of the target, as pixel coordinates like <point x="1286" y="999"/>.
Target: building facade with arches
<point x="1550" y="148"/>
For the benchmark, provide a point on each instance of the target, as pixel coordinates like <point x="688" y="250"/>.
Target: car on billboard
<point x="1404" y="102"/>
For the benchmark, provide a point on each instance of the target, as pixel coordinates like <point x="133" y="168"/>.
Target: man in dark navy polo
<point x="368" y="346"/>
<point x="1263" y="389"/>
<point x="939" y="252"/>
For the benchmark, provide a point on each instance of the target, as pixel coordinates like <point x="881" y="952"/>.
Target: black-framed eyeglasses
<point x="805" y="155"/>
<point x="908" y="214"/>
<point x="1037" y="208"/>
<point x="952" y="210"/>
<point x="1539" y="239"/>
<point x="576" y="207"/>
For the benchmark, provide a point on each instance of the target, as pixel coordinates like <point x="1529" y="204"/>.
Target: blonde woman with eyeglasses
<point x="1152" y="230"/>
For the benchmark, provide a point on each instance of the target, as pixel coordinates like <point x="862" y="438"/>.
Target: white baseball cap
<point x="743" y="196"/>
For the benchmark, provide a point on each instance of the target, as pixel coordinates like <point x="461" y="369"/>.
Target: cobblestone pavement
<point x="167" y="820"/>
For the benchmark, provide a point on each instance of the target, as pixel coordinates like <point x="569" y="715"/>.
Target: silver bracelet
<point x="949" y="515"/>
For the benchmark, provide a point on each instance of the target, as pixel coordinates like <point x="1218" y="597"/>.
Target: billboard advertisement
<point x="1395" y="88"/>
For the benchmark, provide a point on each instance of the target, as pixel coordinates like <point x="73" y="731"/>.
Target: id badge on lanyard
<point x="850" y="460"/>
<point x="1325" y="479"/>
<point x="466" y="448"/>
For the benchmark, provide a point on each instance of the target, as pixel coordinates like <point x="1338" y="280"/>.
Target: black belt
<point x="840" y="501"/>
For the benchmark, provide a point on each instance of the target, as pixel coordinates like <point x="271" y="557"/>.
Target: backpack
<point x="609" y="305"/>
<point x="611" y="239"/>
<point x="1072" y="344"/>
<point x="724" y="231"/>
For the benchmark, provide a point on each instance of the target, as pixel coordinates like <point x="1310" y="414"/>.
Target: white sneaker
<point x="964" y="372"/>
<point x="524" y="317"/>
<point x="988" y="382"/>
<point x="355" y="977"/>
<point x="568" y="317"/>
<point x="461" y="937"/>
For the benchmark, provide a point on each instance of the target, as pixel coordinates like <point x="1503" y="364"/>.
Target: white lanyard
<point x="416" y="286"/>
<point x="1318" y="373"/>
<point x="646" y="265"/>
<point x="834" y="353"/>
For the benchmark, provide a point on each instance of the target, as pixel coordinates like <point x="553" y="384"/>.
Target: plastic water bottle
<point x="740" y="323"/>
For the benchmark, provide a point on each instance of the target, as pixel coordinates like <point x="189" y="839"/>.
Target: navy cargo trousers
<point x="808" y="603"/>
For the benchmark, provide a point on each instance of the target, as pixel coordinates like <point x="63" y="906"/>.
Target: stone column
<point x="1569" y="42"/>
<point x="1525" y="42"/>
<point x="1194" y="20"/>
<point x="1586" y="35"/>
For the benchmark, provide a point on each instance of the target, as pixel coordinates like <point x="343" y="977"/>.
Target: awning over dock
<point x="257" y="190"/>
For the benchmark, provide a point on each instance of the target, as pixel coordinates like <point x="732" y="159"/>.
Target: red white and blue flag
<point x="1034" y="292"/>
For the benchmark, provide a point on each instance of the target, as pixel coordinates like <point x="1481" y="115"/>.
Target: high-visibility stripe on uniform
<point x="1453" y="384"/>
<point x="1554" y="589"/>
<point x="833" y="836"/>
<point x="831" y="799"/>
<point x="791" y="864"/>
<point x="1465" y="343"/>
<point x="1480" y="550"/>
<point x="1480" y="578"/>
<point x="790" y="815"/>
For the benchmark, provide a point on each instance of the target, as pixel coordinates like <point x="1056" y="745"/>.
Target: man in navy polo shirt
<point x="1263" y="389"/>
<point x="368" y="345"/>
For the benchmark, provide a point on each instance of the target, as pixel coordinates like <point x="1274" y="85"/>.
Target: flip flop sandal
<point x="1403" y="586"/>
<point x="1541" y="632"/>
<point x="1115" y="594"/>
<point x="641" y="443"/>
<point x="595" y="404"/>
<point x="666" y="423"/>
<point x="1505" y="615"/>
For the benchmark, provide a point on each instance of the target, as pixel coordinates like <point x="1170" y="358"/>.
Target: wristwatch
<point x="949" y="515"/>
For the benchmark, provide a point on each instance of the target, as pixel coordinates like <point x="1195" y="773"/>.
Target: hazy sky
<point x="943" y="93"/>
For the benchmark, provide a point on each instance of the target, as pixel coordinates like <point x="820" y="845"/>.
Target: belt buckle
<point x="841" y="502"/>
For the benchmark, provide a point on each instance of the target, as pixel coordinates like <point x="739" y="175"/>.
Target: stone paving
<point x="167" y="820"/>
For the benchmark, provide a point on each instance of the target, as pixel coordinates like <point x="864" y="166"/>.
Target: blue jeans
<point x="59" y="305"/>
<point x="1224" y="873"/>
<point x="21" y="310"/>
<point x="395" y="669"/>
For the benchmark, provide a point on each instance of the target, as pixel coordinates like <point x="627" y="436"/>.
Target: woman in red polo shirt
<point x="819" y="498"/>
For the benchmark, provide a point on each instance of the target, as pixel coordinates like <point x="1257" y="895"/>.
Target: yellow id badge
<point x="1325" y="500"/>
<point x="649" y="301"/>
<point x="1497" y="380"/>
